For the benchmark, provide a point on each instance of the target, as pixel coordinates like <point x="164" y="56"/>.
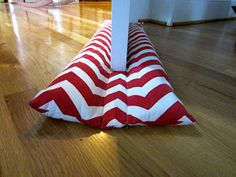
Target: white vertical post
<point x="120" y="29"/>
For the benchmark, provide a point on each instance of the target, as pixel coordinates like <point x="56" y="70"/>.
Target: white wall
<point x="181" y="10"/>
<point x="188" y="10"/>
<point x="140" y="9"/>
<point x="162" y="10"/>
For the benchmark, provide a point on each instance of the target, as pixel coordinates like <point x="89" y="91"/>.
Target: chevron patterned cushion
<point x="87" y="91"/>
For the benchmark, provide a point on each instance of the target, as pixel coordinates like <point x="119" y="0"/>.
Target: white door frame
<point x="120" y="30"/>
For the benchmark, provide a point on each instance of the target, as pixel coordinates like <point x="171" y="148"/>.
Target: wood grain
<point x="36" y="44"/>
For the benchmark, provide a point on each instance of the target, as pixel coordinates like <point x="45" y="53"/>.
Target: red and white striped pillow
<point x="87" y="91"/>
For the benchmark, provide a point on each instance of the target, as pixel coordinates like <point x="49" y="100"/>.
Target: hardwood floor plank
<point x="174" y="152"/>
<point x="13" y="78"/>
<point x="13" y="160"/>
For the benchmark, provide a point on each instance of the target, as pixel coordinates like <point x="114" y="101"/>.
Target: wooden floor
<point x="35" y="44"/>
